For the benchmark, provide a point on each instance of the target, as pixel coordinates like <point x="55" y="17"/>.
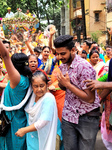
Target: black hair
<point x="46" y="47"/>
<point x="34" y="56"/>
<point x="84" y="52"/>
<point x="64" y="41"/>
<point x="4" y="42"/>
<point x="41" y="74"/>
<point x="20" y="62"/>
<point x="108" y="46"/>
<point x="37" y="49"/>
<point x="88" y="43"/>
<point x="92" y="52"/>
<point x="94" y="42"/>
<point x="96" y="48"/>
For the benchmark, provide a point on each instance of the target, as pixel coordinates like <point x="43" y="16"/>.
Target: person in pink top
<point x="106" y="136"/>
<point x="80" y="116"/>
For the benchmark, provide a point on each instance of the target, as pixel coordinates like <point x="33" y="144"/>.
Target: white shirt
<point x="8" y="15"/>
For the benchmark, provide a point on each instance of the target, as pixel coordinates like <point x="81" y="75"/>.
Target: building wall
<point x="87" y="7"/>
<point x="109" y="19"/>
<point x="71" y="17"/>
<point x="92" y="7"/>
<point x="95" y="5"/>
<point x="65" y="26"/>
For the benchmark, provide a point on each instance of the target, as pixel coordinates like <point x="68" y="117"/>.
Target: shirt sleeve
<point x="47" y="109"/>
<point x="85" y="72"/>
<point x="40" y="124"/>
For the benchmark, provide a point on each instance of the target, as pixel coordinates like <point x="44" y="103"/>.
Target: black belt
<point x="94" y="112"/>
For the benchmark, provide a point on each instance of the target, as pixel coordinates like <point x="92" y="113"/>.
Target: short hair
<point x="34" y="56"/>
<point x="96" y="48"/>
<point x="5" y="41"/>
<point x="42" y="74"/>
<point x="88" y="43"/>
<point x="38" y="49"/>
<point x="64" y="41"/>
<point x="84" y="52"/>
<point x="46" y="47"/>
<point x="108" y="46"/>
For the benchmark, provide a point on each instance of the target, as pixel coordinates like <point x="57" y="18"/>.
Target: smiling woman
<point x="96" y="63"/>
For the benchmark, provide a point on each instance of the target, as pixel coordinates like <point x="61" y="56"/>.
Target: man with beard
<point x="80" y="117"/>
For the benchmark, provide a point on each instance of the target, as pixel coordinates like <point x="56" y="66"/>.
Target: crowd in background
<point x="40" y="61"/>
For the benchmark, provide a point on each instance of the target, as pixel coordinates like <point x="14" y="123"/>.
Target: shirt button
<point x="77" y="111"/>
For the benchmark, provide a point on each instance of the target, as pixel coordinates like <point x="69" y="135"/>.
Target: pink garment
<point x="0" y="18"/>
<point x="106" y="136"/>
<point x="79" y="71"/>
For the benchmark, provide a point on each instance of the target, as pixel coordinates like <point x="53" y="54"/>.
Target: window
<point x="76" y="3"/>
<point x="96" y="17"/>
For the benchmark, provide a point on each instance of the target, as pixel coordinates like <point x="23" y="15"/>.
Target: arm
<point x="29" y="47"/>
<point x="85" y="95"/>
<point x="62" y="87"/>
<point x="14" y="75"/>
<point x="94" y="84"/>
<point x="21" y="132"/>
<point x="3" y="85"/>
<point x="52" y="32"/>
<point x="103" y="94"/>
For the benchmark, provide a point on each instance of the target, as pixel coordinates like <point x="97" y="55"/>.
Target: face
<point x="64" y="54"/>
<point x="27" y="11"/>
<point x="94" y="58"/>
<point x="33" y="63"/>
<point x="7" y="46"/>
<point x="85" y="46"/>
<point x="84" y="56"/>
<point x="108" y="52"/>
<point x="45" y="53"/>
<point x="9" y="10"/>
<point x="37" y="54"/>
<point x="39" y="87"/>
<point x="1" y="64"/>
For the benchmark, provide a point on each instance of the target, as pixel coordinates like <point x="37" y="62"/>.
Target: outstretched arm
<point x="29" y="47"/>
<point x="14" y="75"/>
<point x="52" y="32"/>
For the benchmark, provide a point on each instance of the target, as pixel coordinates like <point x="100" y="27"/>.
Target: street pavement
<point x="99" y="144"/>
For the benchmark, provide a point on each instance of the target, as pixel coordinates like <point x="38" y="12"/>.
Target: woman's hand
<point x="21" y="132"/>
<point x="93" y="84"/>
<point x="110" y="31"/>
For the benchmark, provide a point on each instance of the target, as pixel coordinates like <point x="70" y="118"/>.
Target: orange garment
<point x="59" y="94"/>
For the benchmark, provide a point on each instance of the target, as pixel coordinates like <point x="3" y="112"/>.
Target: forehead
<point x="95" y="54"/>
<point x="108" y="48"/>
<point x="62" y="49"/>
<point x="46" y="49"/>
<point x="37" y="80"/>
<point x="32" y="58"/>
<point x="6" y="44"/>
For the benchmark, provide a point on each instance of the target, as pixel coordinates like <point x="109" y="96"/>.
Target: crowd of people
<point x="52" y="90"/>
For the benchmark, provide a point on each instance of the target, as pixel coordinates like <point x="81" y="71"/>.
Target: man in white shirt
<point x="9" y="13"/>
